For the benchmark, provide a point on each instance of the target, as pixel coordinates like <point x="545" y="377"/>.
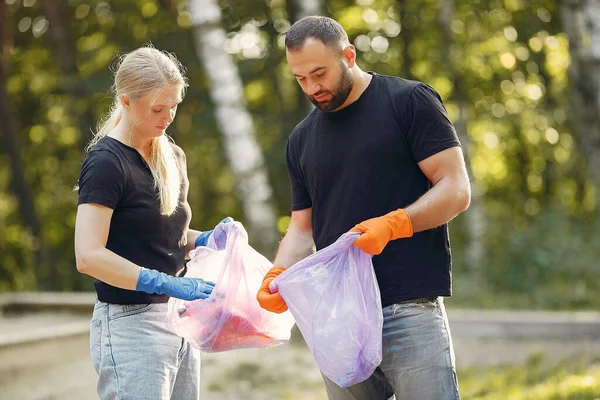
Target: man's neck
<point x="361" y="81"/>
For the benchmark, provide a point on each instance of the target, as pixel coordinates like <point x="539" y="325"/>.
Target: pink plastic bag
<point x="231" y="317"/>
<point x="334" y="296"/>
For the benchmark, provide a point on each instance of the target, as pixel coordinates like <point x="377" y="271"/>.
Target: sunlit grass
<point x="538" y="379"/>
<point x="292" y="377"/>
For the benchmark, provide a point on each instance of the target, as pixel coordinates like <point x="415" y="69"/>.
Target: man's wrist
<point x="295" y="246"/>
<point x="400" y="224"/>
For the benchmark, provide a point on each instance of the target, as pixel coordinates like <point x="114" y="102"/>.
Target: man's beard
<point x="339" y="95"/>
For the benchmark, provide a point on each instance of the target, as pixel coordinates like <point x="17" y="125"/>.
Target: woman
<point x="132" y="235"/>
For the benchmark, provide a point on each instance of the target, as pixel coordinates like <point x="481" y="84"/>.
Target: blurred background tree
<point x="520" y="80"/>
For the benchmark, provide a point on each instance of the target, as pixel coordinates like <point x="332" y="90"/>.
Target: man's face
<point x="322" y="74"/>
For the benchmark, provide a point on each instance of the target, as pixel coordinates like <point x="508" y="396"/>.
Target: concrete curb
<point x="47" y="301"/>
<point x="501" y="324"/>
<point x="476" y="324"/>
<point x="41" y="334"/>
<point x="11" y="304"/>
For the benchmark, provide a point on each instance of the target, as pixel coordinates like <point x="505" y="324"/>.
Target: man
<point x="378" y="155"/>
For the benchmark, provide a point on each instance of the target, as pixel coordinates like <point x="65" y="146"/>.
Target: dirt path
<point x="60" y="368"/>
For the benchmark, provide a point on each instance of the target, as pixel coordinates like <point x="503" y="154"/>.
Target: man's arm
<point x="298" y="241"/>
<point x="296" y="245"/>
<point x="450" y="194"/>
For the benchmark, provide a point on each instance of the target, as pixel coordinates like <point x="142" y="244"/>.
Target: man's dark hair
<point x="325" y="29"/>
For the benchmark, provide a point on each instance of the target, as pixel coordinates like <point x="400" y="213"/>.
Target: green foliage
<point x="500" y="66"/>
<point x="545" y="262"/>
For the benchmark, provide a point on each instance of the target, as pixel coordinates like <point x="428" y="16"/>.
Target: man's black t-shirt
<point x="116" y="176"/>
<point x="361" y="162"/>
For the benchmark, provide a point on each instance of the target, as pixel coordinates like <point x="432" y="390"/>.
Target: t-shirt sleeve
<point x="428" y="127"/>
<point x="300" y="195"/>
<point x="101" y="180"/>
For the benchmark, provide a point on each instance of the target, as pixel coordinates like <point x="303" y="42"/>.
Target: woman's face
<point x="152" y="114"/>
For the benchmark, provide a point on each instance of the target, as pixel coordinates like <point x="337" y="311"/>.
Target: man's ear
<point x="349" y="54"/>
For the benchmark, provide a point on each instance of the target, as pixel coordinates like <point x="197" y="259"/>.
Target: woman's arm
<point x="200" y="238"/>
<point x="93" y="258"/>
<point x="192" y="235"/>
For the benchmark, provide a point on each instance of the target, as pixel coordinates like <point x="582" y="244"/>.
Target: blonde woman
<point x="132" y="234"/>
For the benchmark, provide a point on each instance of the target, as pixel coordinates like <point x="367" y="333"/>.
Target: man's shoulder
<point x="397" y="87"/>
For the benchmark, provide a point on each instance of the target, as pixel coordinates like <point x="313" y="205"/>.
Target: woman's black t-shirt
<point x="116" y="176"/>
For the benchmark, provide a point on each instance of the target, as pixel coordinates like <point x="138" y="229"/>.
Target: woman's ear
<point x="125" y="102"/>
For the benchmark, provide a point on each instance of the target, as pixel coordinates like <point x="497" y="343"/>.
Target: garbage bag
<point x="334" y="296"/>
<point x="231" y="317"/>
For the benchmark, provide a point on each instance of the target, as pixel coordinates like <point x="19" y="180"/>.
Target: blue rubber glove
<point x="202" y="239"/>
<point x="153" y="281"/>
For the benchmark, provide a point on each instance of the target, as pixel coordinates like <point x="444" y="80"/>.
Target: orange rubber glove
<point x="377" y="232"/>
<point x="271" y="301"/>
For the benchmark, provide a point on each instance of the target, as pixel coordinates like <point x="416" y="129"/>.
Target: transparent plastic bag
<point x="334" y="297"/>
<point x="231" y="317"/>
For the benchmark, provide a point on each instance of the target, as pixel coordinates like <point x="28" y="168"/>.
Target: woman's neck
<point x="126" y="134"/>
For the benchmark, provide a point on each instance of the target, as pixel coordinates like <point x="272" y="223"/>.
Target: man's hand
<point x="271" y="301"/>
<point x="377" y="232"/>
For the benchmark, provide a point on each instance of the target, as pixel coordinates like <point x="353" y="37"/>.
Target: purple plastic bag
<point x="334" y="297"/>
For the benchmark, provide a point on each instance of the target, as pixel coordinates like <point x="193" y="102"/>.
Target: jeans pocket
<point x="96" y="343"/>
<point x="117" y="311"/>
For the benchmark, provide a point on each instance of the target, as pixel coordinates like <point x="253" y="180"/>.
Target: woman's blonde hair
<point x="138" y="74"/>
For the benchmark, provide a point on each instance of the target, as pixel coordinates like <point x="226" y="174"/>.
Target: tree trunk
<point x="298" y="9"/>
<point x="12" y="147"/>
<point x="54" y="10"/>
<point x="406" y="37"/>
<point x="581" y="21"/>
<point x="65" y="54"/>
<point x="475" y="220"/>
<point x="235" y="123"/>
